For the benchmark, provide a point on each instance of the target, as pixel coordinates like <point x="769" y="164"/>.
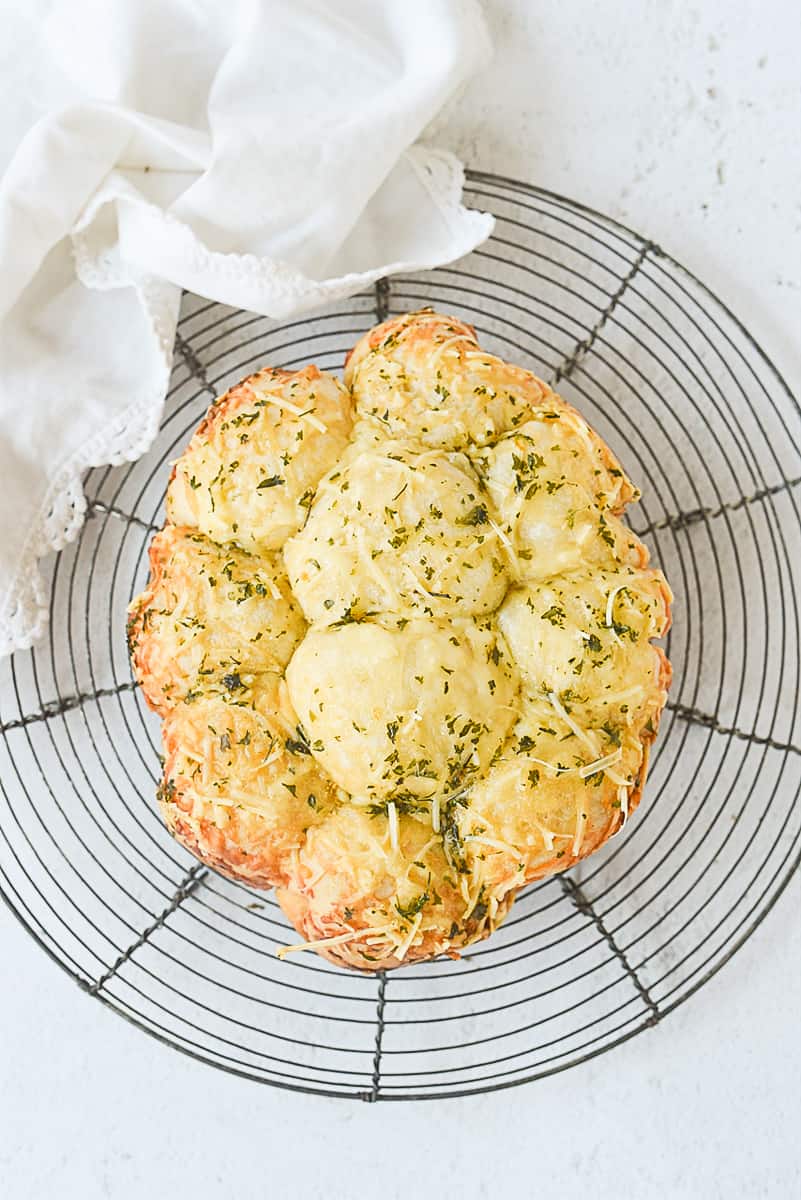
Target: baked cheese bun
<point x="209" y="611"/>
<point x="251" y="470"/>
<point x="402" y="642"/>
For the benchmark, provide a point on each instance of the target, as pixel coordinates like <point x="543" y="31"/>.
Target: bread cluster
<point x="401" y="642"/>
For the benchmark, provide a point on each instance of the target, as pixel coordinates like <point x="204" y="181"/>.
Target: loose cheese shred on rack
<point x="392" y="816"/>
<point x="582" y="734"/>
<point x="341" y="939"/>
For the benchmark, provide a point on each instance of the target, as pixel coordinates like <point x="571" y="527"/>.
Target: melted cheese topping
<point x="210" y="611"/>
<point x="558" y="636"/>
<point x="403" y="711"/>
<point x="556" y="499"/>
<point x="401" y="533"/>
<point x="250" y="471"/>
<point x="471" y="704"/>
<point x="404" y="379"/>
<point x="237" y="782"/>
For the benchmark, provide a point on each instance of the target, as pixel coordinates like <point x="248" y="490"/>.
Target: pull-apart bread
<point x="401" y="642"/>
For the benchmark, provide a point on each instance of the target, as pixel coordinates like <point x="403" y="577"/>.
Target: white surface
<point x="611" y="104"/>
<point x="165" y="157"/>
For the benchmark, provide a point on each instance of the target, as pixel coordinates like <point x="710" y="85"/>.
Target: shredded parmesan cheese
<point x="616" y="779"/>
<point x="417" y="586"/>
<point x="610" y="610"/>
<point x="619" y="697"/>
<point x="550" y="766"/>
<point x="547" y="835"/>
<point x="623" y="797"/>
<point x="600" y="764"/>
<point x="509" y="548"/>
<point x="340" y="940"/>
<point x="446" y="345"/>
<point x="392" y="816"/>
<point x="295" y="409"/>
<point x="495" y="844"/>
<point x="582" y="734"/>
<point x="581" y="825"/>
<point x="403" y="948"/>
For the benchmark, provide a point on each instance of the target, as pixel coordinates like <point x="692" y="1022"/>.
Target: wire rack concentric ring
<point x="708" y="429"/>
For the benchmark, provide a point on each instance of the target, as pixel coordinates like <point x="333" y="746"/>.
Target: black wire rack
<point x="706" y="426"/>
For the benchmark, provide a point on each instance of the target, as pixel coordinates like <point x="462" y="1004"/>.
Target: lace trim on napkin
<point x="24" y="609"/>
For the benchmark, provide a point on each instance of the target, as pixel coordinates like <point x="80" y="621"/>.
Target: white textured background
<point x="682" y="120"/>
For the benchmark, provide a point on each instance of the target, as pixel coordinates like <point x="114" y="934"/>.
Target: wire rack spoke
<point x="681" y="391"/>
<point x="382" y="299"/>
<point x="194" y="364"/>
<point x="55" y="708"/>
<point x="695" y="516"/>
<point x="573" y="889"/>
<point x="380" y="1026"/>
<point x="709" y="721"/>
<point x="96" y="508"/>
<point x="190" y="881"/>
<point x="585" y="345"/>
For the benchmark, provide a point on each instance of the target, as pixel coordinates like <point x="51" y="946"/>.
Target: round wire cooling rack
<point x="710" y="432"/>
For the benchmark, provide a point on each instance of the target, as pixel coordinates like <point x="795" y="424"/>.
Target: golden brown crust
<point x="477" y="687"/>
<point x="239" y="790"/>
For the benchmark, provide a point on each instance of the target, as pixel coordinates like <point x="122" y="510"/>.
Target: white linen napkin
<point x="258" y="152"/>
